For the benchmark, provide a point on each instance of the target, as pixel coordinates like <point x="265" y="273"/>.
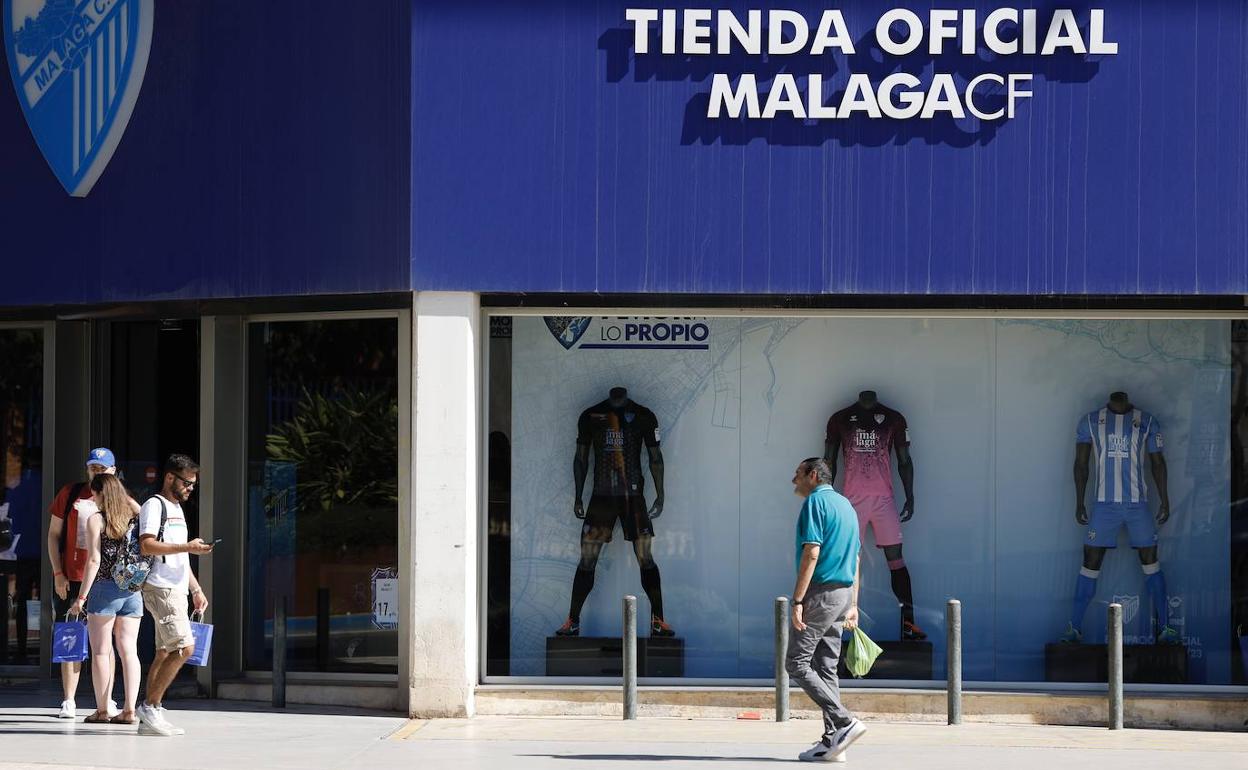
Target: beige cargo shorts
<point x="168" y="608"/>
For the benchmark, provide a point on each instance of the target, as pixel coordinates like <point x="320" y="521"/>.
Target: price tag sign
<point x="385" y="598"/>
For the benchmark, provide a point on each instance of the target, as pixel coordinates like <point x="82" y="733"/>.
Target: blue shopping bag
<point x="202" y="633"/>
<point x="69" y="640"/>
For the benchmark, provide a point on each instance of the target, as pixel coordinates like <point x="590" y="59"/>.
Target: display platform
<point x="604" y="656"/>
<point x="899" y="660"/>
<point x="1141" y="663"/>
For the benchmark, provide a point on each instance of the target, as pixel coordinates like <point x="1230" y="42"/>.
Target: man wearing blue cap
<point x="67" y="550"/>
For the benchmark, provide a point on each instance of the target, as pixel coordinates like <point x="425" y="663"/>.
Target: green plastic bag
<point x="861" y="653"/>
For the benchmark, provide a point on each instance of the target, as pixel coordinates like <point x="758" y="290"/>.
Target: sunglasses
<point x="185" y="483"/>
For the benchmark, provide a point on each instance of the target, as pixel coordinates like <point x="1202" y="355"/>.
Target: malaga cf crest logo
<point x="568" y="330"/>
<point x="77" y="67"/>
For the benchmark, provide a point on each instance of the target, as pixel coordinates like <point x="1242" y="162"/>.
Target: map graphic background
<point x="992" y="407"/>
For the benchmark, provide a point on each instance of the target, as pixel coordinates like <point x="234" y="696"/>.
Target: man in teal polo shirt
<point x="825" y="602"/>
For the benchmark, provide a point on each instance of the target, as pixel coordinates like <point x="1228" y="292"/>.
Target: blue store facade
<point x="430" y="235"/>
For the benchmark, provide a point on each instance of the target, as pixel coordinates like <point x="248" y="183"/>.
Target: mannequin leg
<point x="1085" y="585"/>
<point x="583" y="582"/>
<point x="899" y="576"/>
<point x="650" y="580"/>
<point x="1155" y="585"/>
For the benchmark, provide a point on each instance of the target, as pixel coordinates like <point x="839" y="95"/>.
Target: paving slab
<point x="231" y="735"/>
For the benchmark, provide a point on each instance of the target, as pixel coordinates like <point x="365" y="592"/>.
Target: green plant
<point x="345" y="448"/>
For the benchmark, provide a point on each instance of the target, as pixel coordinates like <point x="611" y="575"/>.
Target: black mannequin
<point x="617" y="398"/>
<point x="615" y="430"/>
<point x="868" y="417"/>
<point x="1107" y="528"/>
<point x="868" y="400"/>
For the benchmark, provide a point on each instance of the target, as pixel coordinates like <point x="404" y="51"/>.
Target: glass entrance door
<point x="322" y="468"/>
<point x="150" y="410"/>
<point x="152" y="406"/>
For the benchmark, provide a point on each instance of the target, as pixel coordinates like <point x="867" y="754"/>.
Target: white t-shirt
<point x="174" y="570"/>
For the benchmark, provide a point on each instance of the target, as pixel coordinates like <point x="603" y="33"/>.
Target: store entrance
<point x="152" y="398"/>
<point x="151" y="410"/>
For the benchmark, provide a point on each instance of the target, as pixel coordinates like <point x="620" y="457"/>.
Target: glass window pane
<point x="984" y="412"/>
<point x="588" y="464"/>
<point x="1164" y="440"/>
<point x="21" y="493"/>
<point x="322" y="460"/>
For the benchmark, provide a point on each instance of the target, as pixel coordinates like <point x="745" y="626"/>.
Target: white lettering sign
<point x="900" y="32"/>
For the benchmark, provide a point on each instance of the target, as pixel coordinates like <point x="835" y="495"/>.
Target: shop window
<point x="21" y="494"/>
<point x="989" y="413"/>
<point x="322" y="462"/>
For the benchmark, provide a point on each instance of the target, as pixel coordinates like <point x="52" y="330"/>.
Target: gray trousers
<point x="813" y="653"/>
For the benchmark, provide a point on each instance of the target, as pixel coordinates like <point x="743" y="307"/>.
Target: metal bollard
<point x="782" y="646"/>
<point x="279" y="653"/>
<point x="630" y="657"/>
<point x="1113" y="641"/>
<point x="953" y="661"/>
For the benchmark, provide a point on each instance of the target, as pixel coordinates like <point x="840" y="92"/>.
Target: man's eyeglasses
<point x="185" y="483"/>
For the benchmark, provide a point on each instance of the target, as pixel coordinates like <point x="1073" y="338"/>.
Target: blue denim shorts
<point x="107" y="598"/>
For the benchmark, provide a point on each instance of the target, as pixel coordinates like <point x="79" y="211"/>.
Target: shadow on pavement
<point x="651" y="758"/>
<point x="27" y="695"/>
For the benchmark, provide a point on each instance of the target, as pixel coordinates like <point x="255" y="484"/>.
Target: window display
<point x="741" y="399"/>
<point x="866" y="432"/>
<point x="1121" y="435"/>
<point x="616" y="429"/>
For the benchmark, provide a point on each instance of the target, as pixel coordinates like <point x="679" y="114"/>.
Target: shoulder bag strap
<point x="164" y="516"/>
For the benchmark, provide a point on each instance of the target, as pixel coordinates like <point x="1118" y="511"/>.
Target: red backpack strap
<point x="74" y="491"/>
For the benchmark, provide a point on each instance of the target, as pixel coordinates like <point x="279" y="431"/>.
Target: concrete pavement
<point x="240" y="735"/>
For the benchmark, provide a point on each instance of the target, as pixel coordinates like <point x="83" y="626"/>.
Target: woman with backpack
<point x="114" y="573"/>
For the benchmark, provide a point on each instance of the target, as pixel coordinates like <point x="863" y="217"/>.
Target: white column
<point x="442" y="540"/>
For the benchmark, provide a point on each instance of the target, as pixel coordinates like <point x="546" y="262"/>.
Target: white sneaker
<point x="820" y="752"/>
<point x="165" y="716"/>
<point x="67" y="710"/>
<point x="112" y="708"/>
<point x="148" y="728"/>
<point x="847" y="735"/>
<point x="151" y="723"/>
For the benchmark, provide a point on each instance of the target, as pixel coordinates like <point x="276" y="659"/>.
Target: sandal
<point x="97" y="718"/>
<point x="120" y="719"/>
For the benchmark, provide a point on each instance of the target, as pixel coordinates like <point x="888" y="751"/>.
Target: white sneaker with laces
<point x="68" y="711"/>
<point x="847" y="735"/>
<point x="165" y="716"/>
<point x="112" y="708"/>
<point x="151" y="723"/>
